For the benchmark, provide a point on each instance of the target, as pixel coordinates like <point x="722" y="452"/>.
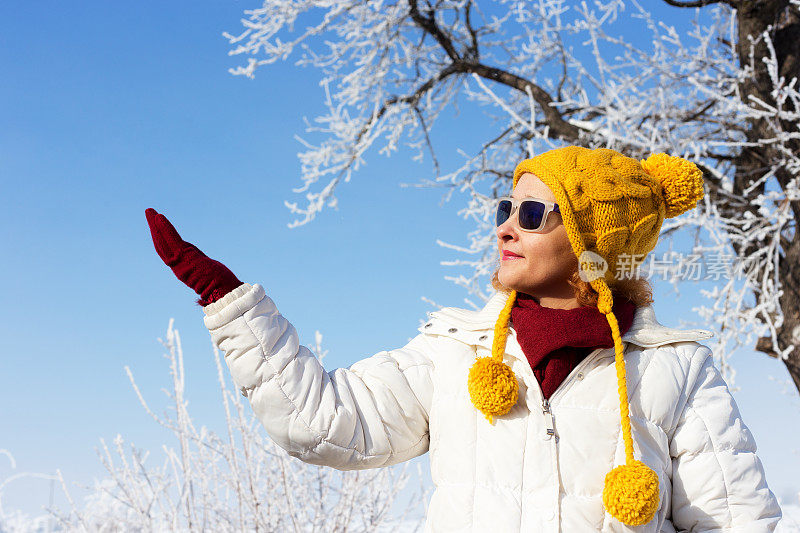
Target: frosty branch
<point x="720" y="89"/>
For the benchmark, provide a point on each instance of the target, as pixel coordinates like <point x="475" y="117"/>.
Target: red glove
<point x="210" y="279"/>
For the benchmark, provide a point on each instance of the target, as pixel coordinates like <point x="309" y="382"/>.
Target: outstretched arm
<point x="373" y="414"/>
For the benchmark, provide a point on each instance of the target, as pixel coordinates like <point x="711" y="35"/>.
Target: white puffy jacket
<point x="541" y="467"/>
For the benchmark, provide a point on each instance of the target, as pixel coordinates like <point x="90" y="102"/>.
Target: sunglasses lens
<point x="531" y="214"/>
<point x="503" y="211"/>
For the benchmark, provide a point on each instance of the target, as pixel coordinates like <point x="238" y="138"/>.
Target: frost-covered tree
<point x="723" y="93"/>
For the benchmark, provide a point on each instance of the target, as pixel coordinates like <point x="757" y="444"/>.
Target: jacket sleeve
<point x="718" y="482"/>
<point x="373" y="414"/>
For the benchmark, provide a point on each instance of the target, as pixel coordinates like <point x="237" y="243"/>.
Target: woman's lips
<point x="507" y="256"/>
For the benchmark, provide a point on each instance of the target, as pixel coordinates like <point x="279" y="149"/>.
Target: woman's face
<point x="547" y="260"/>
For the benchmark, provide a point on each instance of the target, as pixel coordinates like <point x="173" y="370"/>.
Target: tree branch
<point x="764" y="344"/>
<point x="556" y="122"/>
<point x="473" y="48"/>
<point x="428" y="142"/>
<point x="558" y="125"/>
<point x="429" y="25"/>
<point x="701" y="3"/>
<point x="411" y="99"/>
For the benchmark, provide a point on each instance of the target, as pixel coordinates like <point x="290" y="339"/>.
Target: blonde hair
<point x="636" y="289"/>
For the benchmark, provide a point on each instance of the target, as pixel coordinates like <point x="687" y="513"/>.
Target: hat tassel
<point x="631" y="493"/>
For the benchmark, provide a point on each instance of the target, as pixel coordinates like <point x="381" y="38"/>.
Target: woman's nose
<point x="506" y="230"/>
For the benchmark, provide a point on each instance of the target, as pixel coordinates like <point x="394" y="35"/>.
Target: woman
<point x="561" y="405"/>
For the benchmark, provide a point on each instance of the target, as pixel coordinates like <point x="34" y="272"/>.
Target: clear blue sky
<point x="108" y="109"/>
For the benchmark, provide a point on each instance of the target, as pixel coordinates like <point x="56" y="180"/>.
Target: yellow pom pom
<point x="631" y="493"/>
<point x="493" y="387"/>
<point x="680" y="179"/>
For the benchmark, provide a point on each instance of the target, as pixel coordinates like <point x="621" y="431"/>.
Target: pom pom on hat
<point x="681" y="180"/>
<point x="631" y="493"/>
<point x="493" y="387"/>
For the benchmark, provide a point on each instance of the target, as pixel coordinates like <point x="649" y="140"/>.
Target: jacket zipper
<point x="550" y="419"/>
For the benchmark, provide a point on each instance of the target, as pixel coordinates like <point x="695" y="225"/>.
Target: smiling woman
<point x="524" y="405"/>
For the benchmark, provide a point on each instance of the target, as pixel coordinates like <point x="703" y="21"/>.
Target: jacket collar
<point x="645" y="331"/>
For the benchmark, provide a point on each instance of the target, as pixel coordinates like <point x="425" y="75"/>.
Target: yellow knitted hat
<point x="610" y="205"/>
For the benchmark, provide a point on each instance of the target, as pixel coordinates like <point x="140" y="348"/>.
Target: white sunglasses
<point x="531" y="212"/>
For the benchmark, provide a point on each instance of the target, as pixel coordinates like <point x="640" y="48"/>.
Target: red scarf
<point x="556" y="340"/>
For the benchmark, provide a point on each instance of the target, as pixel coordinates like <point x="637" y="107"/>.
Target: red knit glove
<point x="210" y="279"/>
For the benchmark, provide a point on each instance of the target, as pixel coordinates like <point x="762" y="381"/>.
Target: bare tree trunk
<point x="781" y="21"/>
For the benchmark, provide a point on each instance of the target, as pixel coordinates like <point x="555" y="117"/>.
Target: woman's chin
<point x="511" y="282"/>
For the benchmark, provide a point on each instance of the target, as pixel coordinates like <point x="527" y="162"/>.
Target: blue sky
<point x="108" y="109"/>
